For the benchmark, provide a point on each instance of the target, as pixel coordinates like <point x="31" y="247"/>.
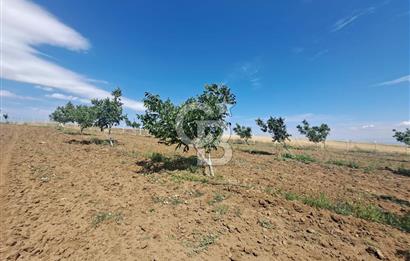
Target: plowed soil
<point x="66" y="196"/>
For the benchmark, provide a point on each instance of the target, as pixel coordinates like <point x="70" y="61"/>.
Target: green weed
<point x="221" y="210"/>
<point x="216" y="199"/>
<point x="299" y="157"/>
<point x="187" y="176"/>
<point x="205" y="242"/>
<point x="174" y="200"/>
<point x="106" y="216"/>
<point x="291" y="196"/>
<point x="359" y="210"/>
<point x="350" y="164"/>
<point x="265" y="223"/>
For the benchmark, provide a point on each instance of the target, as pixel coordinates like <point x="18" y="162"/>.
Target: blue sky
<point x="346" y="63"/>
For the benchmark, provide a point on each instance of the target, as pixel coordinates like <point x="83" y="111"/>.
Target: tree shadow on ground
<point x="405" y="254"/>
<point x="158" y="163"/>
<point x="258" y="152"/>
<point x="395" y="200"/>
<point x="73" y="132"/>
<point x="399" y="171"/>
<point x="95" y="141"/>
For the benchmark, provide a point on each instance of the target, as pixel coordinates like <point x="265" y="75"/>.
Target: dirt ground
<point x="70" y="196"/>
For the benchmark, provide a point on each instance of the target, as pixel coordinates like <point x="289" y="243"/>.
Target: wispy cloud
<point x="404" y="79"/>
<point x="319" y="54"/>
<point x="43" y="88"/>
<point x="60" y="96"/>
<point x="26" y="25"/>
<point x="97" y="81"/>
<point x="405" y="123"/>
<point x="248" y="72"/>
<point x="12" y="95"/>
<point x="345" y="21"/>
<point x="251" y="70"/>
<point x="299" y="117"/>
<point x="368" y="126"/>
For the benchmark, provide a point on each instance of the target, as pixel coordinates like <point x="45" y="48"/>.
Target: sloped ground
<point x="69" y="196"/>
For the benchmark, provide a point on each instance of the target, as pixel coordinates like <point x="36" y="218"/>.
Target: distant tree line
<point x="103" y="114"/>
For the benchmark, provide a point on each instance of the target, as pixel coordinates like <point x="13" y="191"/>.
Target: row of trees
<point x="199" y="121"/>
<point x="103" y="114"/>
<point x="277" y="129"/>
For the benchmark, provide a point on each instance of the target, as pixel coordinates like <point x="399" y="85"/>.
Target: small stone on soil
<point x="375" y="252"/>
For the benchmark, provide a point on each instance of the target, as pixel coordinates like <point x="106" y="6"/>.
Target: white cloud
<point x="405" y="123"/>
<point x="404" y="79"/>
<point x="61" y="96"/>
<point x="47" y="89"/>
<point x="381" y="133"/>
<point x="368" y="126"/>
<point x="299" y="117"/>
<point x="12" y="95"/>
<point x="5" y="93"/>
<point x="84" y="100"/>
<point x="97" y="81"/>
<point x="250" y="71"/>
<point x="345" y="21"/>
<point x="25" y="25"/>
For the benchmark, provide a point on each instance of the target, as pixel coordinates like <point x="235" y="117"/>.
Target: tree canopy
<point x="63" y="114"/>
<point x="104" y="113"/>
<point x="108" y="111"/>
<point x="132" y="124"/>
<point x="84" y="116"/>
<point x="276" y="128"/>
<point x="199" y="121"/>
<point x="243" y="132"/>
<point x="314" y="134"/>
<point x="402" y="136"/>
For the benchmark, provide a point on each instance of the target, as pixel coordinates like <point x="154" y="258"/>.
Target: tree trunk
<point x="109" y="137"/>
<point x="211" y="169"/>
<point x="202" y="157"/>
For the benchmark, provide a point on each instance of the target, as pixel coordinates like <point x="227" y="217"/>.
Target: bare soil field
<point x="66" y="196"/>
